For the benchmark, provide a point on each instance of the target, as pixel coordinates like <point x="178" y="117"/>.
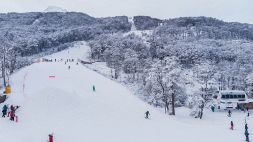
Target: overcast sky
<point x="227" y="10"/>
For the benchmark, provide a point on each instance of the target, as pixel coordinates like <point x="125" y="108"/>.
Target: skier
<point x="248" y="114"/>
<point x="12" y="115"/>
<point x="147" y="114"/>
<point x="247" y="136"/>
<point x="4" y="111"/>
<point x="69" y="67"/>
<point x="229" y="113"/>
<point x="231" y="125"/>
<point x="51" y="138"/>
<point x="212" y="108"/>
<point x="94" y="88"/>
<point x="246" y="127"/>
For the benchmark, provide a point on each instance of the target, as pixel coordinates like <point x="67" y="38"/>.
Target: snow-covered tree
<point x="8" y="58"/>
<point x="164" y="76"/>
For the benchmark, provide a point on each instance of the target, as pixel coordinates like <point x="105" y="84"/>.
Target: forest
<point x="176" y="62"/>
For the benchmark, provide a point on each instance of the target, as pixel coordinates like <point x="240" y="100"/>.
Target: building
<point x="232" y="99"/>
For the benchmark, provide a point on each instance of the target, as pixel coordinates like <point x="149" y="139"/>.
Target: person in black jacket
<point x="147" y="114"/>
<point x="231" y="125"/>
<point x="247" y="136"/>
<point x="229" y="113"/>
<point x="246" y="127"/>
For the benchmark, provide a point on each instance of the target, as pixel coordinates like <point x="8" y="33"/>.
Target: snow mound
<point x="55" y="9"/>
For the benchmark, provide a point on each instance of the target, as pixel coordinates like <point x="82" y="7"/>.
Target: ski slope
<point x="67" y="106"/>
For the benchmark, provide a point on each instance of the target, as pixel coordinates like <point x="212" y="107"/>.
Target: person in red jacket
<point x="12" y="115"/>
<point x="51" y="138"/>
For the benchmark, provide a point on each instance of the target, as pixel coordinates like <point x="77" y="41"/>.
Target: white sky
<point x="227" y="10"/>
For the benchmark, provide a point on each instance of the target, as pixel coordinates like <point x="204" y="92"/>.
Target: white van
<point x="231" y="99"/>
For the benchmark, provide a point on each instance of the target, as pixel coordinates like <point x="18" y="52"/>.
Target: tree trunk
<point x="3" y="74"/>
<point x="228" y="85"/>
<point x="166" y="107"/>
<point x="111" y="73"/>
<point x="173" y="104"/>
<point x="116" y="74"/>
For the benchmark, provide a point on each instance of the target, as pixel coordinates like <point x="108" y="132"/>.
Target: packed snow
<point x="58" y="100"/>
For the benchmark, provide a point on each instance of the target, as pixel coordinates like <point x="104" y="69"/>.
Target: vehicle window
<point x="243" y="96"/>
<point x="227" y="96"/>
<point x="223" y="97"/>
<point x="231" y="96"/>
<point x="235" y="96"/>
<point x="239" y="96"/>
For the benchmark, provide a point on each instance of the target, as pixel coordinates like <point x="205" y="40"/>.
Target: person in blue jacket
<point x="94" y="88"/>
<point x="4" y="111"/>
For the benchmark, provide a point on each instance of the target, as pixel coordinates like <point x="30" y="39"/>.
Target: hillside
<point x="67" y="107"/>
<point x="196" y="28"/>
<point x="198" y="55"/>
<point x="32" y="33"/>
<point x="175" y="59"/>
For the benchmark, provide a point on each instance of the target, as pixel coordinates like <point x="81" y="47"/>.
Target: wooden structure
<point x="249" y="105"/>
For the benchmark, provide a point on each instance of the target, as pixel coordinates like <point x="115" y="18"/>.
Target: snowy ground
<point x="66" y="106"/>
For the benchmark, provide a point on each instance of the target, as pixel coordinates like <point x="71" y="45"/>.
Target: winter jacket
<point x="5" y="108"/>
<point x="12" y="114"/>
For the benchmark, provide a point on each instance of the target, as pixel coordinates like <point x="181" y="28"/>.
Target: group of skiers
<point x="68" y="60"/>
<point x="10" y="112"/>
<point x="229" y="113"/>
<point x="246" y="133"/>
